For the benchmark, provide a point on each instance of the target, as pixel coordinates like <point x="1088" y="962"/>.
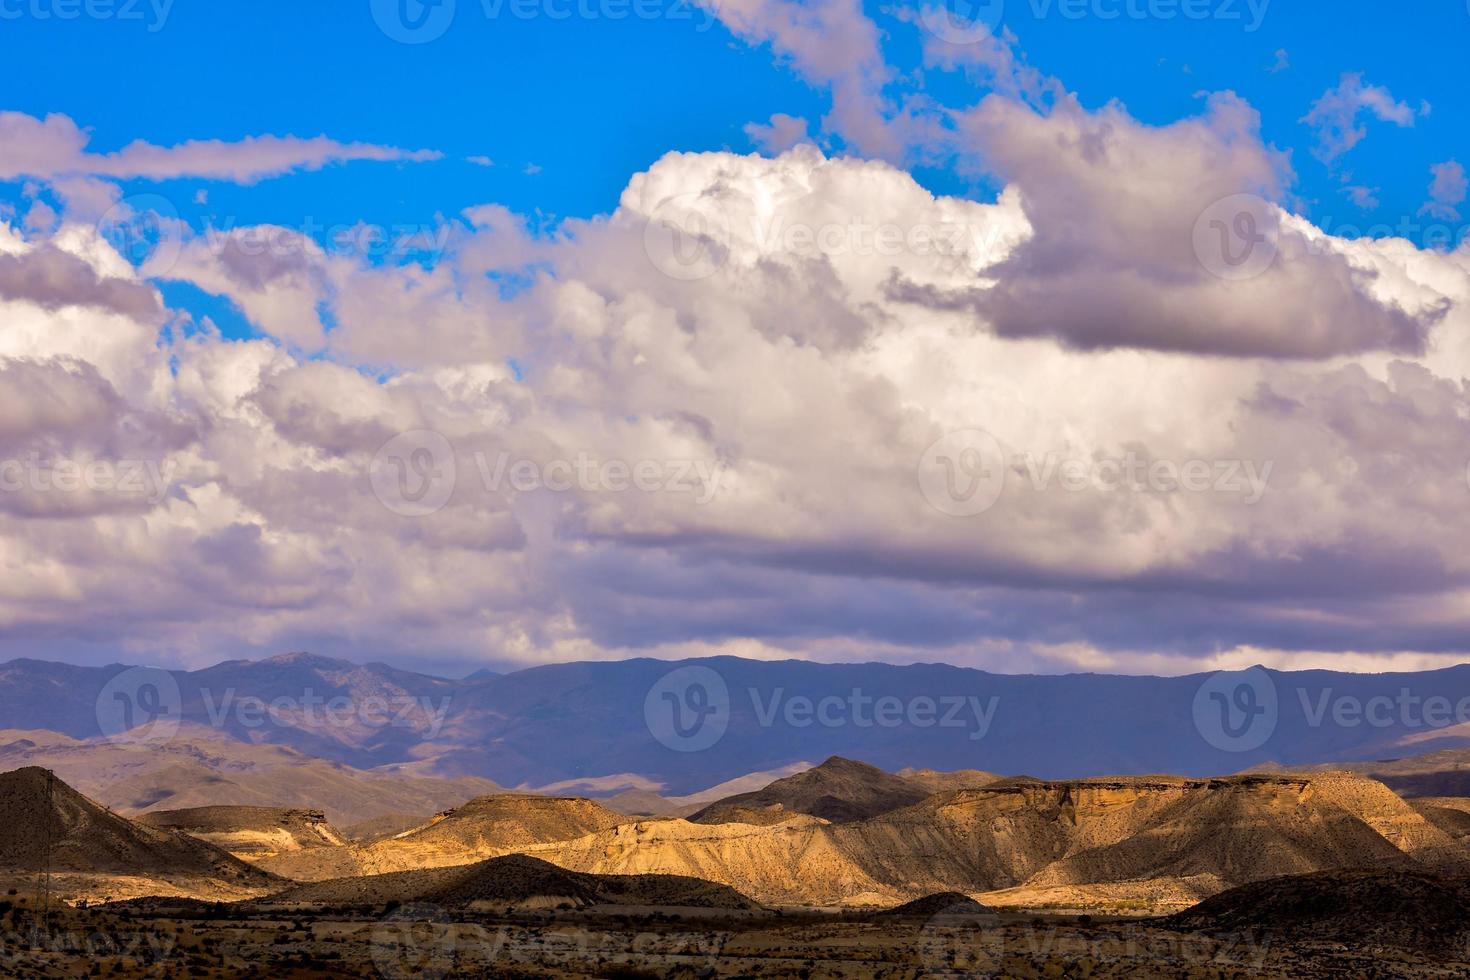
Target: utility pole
<point x="46" y="843"/>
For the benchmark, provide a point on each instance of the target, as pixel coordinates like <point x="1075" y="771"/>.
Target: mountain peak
<point x="301" y="658"/>
<point x="27" y="781"/>
<point x="839" y="790"/>
<point x="838" y="763"/>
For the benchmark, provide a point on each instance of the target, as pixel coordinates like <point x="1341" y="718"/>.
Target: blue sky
<point x="590" y="101"/>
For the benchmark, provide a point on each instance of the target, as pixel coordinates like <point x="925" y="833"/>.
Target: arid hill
<point x="489" y="826"/>
<point x="514" y="880"/>
<point x="388" y="825"/>
<point x="202" y="766"/>
<point x="839" y="790"/>
<point x="643" y="803"/>
<point x="748" y="783"/>
<point x="646" y="803"/>
<point x="1450" y="814"/>
<point x="933" y="781"/>
<point x="1442" y="773"/>
<point x="250" y="832"/>
<point x="943" y="904"/>
<point x="1048" y="842"/>
<point x="86" y="843"/>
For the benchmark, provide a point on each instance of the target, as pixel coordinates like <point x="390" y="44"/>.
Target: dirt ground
<point x="426" y="942"/>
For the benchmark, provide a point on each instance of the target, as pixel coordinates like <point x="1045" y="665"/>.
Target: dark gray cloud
<point x="54" y="279"/>
<point x="1136" y="232"/>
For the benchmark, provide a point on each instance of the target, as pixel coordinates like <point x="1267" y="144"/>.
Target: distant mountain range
<point x="199" y="767"/>
<point x="675" y="728"/>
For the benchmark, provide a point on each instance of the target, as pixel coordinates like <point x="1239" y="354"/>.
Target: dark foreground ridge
<point x="1404" y="910"/>
<point x="940" y="904"/>
<point x="514" y="880"/>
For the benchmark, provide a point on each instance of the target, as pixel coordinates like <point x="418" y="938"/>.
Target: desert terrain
<point x="838" y="870"/>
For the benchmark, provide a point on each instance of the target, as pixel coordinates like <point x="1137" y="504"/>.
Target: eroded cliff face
<point x="251" y="833"/>
<point x="485" y="827"/>
<point x="1198" y="835"/>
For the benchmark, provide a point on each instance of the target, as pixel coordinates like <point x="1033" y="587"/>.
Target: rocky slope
<point x="46" y="821"/>
<point x="485" y="827"/>
<point x="250" y="832"/>
<point x="1450" y="814"/>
